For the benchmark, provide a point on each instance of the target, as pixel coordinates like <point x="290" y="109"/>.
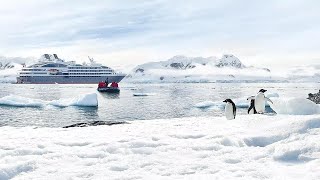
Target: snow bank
<point x="82" y="100"/>
<point x="294" y="106"/>
<point x="250" y="147"/>
<point x="18" y="101"/>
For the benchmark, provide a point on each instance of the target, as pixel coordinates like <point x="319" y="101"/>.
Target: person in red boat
<point x="114" y="85"/>
<point x="102" y="85"/>
<point x="107" y="82"/>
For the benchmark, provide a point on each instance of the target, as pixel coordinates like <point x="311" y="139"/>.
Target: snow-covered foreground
<point x="250" y="147"/>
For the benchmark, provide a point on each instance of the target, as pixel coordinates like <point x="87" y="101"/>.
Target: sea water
<point x="134" y="102"/>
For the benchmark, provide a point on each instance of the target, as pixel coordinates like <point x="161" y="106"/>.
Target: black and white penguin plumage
<point x="252" y="108"/>
<point x="260" y="101"/>
<point x="230" y="109"/>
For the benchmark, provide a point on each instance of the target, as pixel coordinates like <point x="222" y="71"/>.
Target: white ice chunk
<point x="13" y="100"/>
<point x="82" y="100"/>
<point x="294" y="106"/>
<point x="143" y="94"/>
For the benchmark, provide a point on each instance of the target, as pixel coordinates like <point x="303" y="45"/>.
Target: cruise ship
<point x="52" y="70"/>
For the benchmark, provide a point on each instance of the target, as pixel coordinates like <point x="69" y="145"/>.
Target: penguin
<point x="252" y="108"/>
<point x="260" y="101"/>
<point x="230" y="109"/>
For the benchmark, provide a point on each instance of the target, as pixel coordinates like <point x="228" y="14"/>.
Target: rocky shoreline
<point x="314" y="97"/>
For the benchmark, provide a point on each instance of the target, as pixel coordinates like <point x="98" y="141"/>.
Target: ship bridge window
<point x="54" y="65"/>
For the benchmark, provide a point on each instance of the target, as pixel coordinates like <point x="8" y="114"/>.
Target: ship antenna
<point x="91" y="59"/>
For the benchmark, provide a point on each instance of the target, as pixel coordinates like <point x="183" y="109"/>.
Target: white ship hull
<point x="53" y="70"/>
<point x="67" y="80"/>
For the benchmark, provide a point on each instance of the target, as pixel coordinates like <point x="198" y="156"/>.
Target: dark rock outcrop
<point x="6" y="65"/>
<point x="96" y="123"/>
<point x="140" y="70"/>
<point x="314" y="97"/>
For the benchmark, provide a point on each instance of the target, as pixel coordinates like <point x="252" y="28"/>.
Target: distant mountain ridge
<point x="12" y="62"/>
<point x="184" y="62"/>
<point x="9" y="67"/>
<point x="203" y="69"/>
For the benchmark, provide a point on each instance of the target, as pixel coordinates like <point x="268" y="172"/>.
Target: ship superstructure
<point x="51" y="69"/>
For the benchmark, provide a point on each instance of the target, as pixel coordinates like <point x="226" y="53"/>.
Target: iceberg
<point x="19" y="101"/>
<point x="88" y="100"/>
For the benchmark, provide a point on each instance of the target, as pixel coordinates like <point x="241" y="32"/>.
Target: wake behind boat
<point x="52" y="70"/>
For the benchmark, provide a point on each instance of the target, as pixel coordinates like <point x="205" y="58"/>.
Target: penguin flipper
<point x="250" y="98"/>
<point x="267" y="99"/>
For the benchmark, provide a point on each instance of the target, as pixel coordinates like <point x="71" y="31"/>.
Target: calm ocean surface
<point x="165" y="101"/>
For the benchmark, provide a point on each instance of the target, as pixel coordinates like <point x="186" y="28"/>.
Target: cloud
<point x="140" y="30"/>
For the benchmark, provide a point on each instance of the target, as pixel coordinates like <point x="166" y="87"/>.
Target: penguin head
<point x="228" y="100"/>
<point x="262" y="90"/>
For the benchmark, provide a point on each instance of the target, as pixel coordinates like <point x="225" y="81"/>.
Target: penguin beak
<point x="224" y="101"/>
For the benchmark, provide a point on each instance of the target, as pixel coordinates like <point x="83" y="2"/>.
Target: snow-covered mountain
<point x="9" y="67"/>
<point x="198" y="69"/>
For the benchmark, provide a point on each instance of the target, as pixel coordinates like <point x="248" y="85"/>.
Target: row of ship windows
<point x="91" y="73"/>
<point x="86" y="68"/>
<point x="33" y="69"/>
<point x="64" y="73"/>
<point x="33" y="73"/>
<point x="64" y="76"/>
<point x="89" y="69"/>
<point x="103" y="70"/>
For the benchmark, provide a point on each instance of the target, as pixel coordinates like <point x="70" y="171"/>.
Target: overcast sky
<point x="269" y="33"/>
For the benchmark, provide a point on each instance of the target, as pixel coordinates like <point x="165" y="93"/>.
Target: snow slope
<point x="9" y="67"/>
<point x="8" y="73"/>
<point x="249" y="147"/>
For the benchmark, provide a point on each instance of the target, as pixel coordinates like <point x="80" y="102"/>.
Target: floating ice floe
<point x="295" y="106"/>
<point x="88" y="100"/>
<point x="19" y="101"/>
<point x="144" y="94"/>
<point x="82" y="100"/>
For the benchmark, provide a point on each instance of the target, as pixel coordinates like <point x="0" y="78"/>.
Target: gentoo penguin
<point x="260" y="101"/>
<point x="252" y="109"/>
<point x="230" y="109"/>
